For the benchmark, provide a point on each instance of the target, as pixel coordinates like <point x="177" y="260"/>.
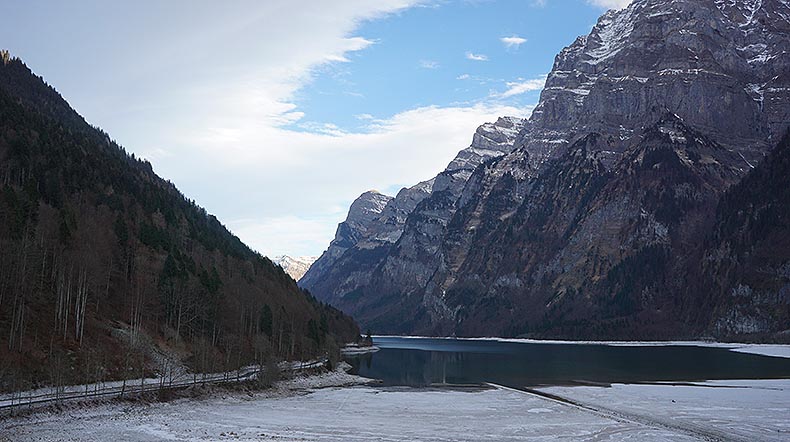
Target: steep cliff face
<point x="710" y="62"/>
<point x="720" y="66"/>
<point x="745" y="265"/>
<point x="363" y="212"/>
<point x="593" y="249"/>
<point x="347" y="266"/>
<point x="590" y="225"/>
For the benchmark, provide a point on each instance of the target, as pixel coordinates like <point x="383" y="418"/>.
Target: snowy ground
<point x="115" y="388"/>
<point x="297" y="411"/>
<point x="754" y="410"/>
<point x="340" y="414"/>
<point x="337" y="407"/>
<point x="780" y="351"/>
<point x="354" y="349"/>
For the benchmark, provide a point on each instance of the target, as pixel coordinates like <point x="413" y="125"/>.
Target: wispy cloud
<point x="476" y="57"/>
<point x="219" y="114"/>
<point x="607" y="4"/>
<point x="429" y="64"/>
<point x="351" y="44"/>
<point x="610" y="4"/>
<point x="522" y="86"/>
<point x="514" y="41"/>
<point x="290" y="178"/>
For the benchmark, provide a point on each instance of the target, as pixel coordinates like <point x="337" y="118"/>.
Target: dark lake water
<point x="426" y="361"/>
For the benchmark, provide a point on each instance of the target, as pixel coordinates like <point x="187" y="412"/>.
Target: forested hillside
<point x="106" y="269"/>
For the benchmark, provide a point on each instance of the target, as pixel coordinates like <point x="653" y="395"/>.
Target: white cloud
<point x="429" y="64"/>
<point x="610" y="4"/>
<point x="607" y="4"/>
<point x="476" y="57"/>
<point x="463" y="77"/>
<point x="350" y="45"/>
<point x="271" y="236"/>
<point x="288" y="184"/>
<point x="522" y="86"/>
<point x="513" y="41"/>
<point x="213" y="106"/>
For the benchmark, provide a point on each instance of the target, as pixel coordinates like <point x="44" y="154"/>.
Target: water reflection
<point x="422" y="362"/>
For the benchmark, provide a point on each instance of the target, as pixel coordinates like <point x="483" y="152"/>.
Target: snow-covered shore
<point x="339" y="414"/>
<point x="725" y="410"/>
<point x="333" y="407"/>
<point x="356" y="349"/>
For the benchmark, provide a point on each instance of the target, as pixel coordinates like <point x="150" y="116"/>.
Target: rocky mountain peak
<point x="584" y="220"/>
<point x="366" y="207"/>
<point x="654" y="56"/>
<point x="378" y="233"/>
<point x="295" y="267"/>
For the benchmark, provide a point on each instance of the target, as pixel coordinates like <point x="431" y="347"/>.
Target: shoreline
<point x="334" y="406"/>
<point x="321" y="405"/>
<point x="775" y="350"/>
<point x="295" y="384"/>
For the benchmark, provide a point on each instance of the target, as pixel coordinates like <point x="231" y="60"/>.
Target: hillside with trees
<point x="106" y="269"/>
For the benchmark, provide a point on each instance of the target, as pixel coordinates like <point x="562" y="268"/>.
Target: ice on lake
<point x="756" y="409"/>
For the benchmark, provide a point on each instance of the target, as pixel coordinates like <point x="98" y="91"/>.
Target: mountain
<point x="376" y="223"/>
<point x="107" y="270"/>
<point x="294" y="267"/>
<point x="745" y="265"/>
<point x="596" y="220"/>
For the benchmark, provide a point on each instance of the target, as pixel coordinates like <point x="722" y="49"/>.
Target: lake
<point x="426" y="361"/>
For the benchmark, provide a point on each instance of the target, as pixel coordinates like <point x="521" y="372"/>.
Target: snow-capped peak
<point x="297" y="266"/>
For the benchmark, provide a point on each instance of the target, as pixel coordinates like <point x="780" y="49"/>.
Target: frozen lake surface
<point x="753" y="410"/>
<point x="726" y="410"/>
<point x="654" y="395"/>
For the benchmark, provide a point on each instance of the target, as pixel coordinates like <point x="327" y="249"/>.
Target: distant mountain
<point x="596" y="220"/>
<point x="106" y="270"/>
<point x="295" y="267"/>
<point x="376" y="223"/>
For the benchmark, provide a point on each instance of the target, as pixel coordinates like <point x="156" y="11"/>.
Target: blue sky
<point x="275" y="115"/>
<point x="419" y="58"/>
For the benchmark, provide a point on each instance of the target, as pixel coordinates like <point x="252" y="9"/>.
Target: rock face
<point x="376" y="222"/>
<point x="295" y="267"/>
<point x="358" y="224"/>
<point x="595" y="222"/>
<point x="745" y="265"/>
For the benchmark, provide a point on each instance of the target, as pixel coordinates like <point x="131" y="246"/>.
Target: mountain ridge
<point x="697" y="90"/>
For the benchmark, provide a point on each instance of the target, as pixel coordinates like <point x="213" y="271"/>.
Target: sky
<point x="275" y="115"/>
